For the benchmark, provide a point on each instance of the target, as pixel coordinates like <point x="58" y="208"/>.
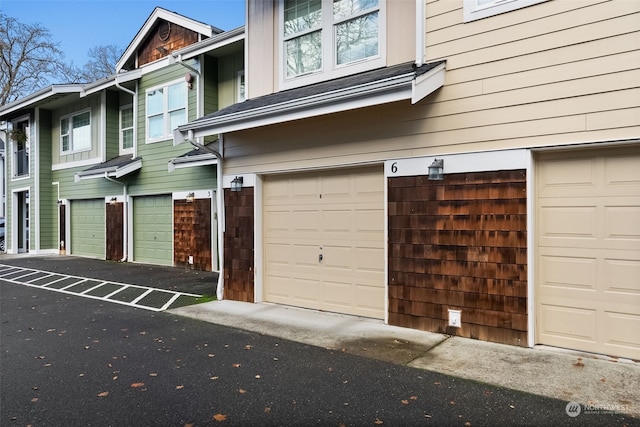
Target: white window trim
<point x="69" y="116"/>
<point x="120" y="129"/>
<point x="241" y="95"/>
<point x="169" y="132"/>
<point x="13" y="148"/>
<point x="330" y="70"/>
<point x="473" y="11"/>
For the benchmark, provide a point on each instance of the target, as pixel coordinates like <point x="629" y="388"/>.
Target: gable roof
<point x="159" y="13"/>
<point x="389" y="84"/>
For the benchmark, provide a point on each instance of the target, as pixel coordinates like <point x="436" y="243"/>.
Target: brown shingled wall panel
<point x="238" y="245"/>
<point x="460" y="243"/>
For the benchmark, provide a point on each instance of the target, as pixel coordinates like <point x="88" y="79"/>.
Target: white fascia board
<point x="211" y="44"/>
<point x="379" y="92"/>
<point x="427" y="83"/>
<point x="127" y="169"/>
<point x="111" y="81"/>
<point x="202" y="161"/>
<point x="40" y="96"/>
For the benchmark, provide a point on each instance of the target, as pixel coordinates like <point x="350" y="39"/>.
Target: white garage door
<point x="88" y="228"/>
<point x="588" y="273"/>
<point x="324" y="241"/>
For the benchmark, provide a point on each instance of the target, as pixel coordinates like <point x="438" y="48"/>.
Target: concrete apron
<point x="584" y="378"/>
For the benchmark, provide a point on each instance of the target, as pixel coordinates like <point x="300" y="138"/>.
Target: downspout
<point x="125" y="220"/>
<point x="220" y="208"/>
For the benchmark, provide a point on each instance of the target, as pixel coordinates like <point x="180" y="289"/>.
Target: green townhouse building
<point x="92" y="169"/>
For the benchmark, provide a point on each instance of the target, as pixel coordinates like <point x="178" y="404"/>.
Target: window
<point x="241" y="87"/>
<point x="19" y="136"/>
<point x="166" y="110"/>
<point x="75" y="132"/>
<point x="478" y="9"/>
<point x="325" y="36"/>
<point x="126" y="128"/>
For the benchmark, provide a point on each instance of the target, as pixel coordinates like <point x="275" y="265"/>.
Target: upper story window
<point x="241" y="87"/>
<point x="126" y="128"/>
<point x="75" y="132"/>
<point x="20" y="135"/>
<point x="166" y="110"/>
<point x="478" y="9"/>
<point x="332" y="37"/>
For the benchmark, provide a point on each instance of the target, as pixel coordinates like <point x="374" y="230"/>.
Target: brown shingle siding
<point x="460" y="243"/>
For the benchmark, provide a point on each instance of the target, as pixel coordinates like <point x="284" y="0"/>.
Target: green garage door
<point x="88" y="228"/>
<point x="153" y="230"/>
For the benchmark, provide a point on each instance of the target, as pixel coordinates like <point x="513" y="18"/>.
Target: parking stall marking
<point x="148" y="298"/>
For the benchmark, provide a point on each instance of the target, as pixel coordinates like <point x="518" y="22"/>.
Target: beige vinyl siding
<point x="559" y="72"/>
<point x="94" y="103"/>
<point x="556" y="72"/>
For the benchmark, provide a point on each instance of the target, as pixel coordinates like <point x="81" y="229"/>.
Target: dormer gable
<point x="163" y="33"/>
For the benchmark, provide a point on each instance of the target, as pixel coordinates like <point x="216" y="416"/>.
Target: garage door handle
<point x="320" y="258"/>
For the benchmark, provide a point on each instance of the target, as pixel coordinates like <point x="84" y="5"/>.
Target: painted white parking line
<point x="162" y="298"/>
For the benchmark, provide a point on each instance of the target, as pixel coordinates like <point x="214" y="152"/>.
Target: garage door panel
<point x="339" y="215"/>
<point x="588" y="269"/>
<point x="88" y="228"/>
<point x="153" y="229"/>
<point x="621" y="275"/>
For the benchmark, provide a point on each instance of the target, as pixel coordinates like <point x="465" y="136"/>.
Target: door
<point x="153" y="230"/>
<point x="88" y="228"/>
<point x="324" y="241"/>
<point x="588" y="244"/>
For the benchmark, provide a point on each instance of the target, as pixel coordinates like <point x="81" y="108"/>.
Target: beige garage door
<point x="588" y="242"/>
<point x="324" y="241"/>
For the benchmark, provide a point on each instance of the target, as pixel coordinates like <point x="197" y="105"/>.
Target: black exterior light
<point x="236" y="184"/>
<point x="436" y="170"/>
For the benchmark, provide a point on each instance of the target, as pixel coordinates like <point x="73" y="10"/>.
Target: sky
<point x="79" y="25"/>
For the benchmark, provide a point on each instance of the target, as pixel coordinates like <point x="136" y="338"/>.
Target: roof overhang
<point x="403" y="86"/>
<point x="110" y="170"/>
<point x="45" y="95"/>
<point x="112" y="81"/>
<point x="192" y="160"/>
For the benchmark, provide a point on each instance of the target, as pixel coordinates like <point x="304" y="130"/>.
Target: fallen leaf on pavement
<point x="242" y="391"/>
<point x="219" y="417"/>
<point x="236" y="365"/>
<point x="378" y="421"/>
<point x="414" y="398"/>
<point x="179" y="387"/>
<point x="153" y="374"/>
<point x="214" y="378"/>
<point x="404" y="401"/>
<point x="103" y="394"/>
<point x="136" y="385"/>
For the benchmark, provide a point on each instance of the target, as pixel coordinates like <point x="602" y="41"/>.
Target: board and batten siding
<point x="48" y="193"/>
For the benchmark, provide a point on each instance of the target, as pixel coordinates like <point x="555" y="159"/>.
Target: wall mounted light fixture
<point x="113" y="200"/>
<point x="236" y="183"/>
<point x="436" y="170"/>
<point x="191" y="197"/>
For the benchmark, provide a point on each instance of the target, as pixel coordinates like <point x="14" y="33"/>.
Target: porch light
<point x="113" y="200"/>
<point x="236" y="183"/>
<point x="191" y="197"/>
<point x="436" y="170"/>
